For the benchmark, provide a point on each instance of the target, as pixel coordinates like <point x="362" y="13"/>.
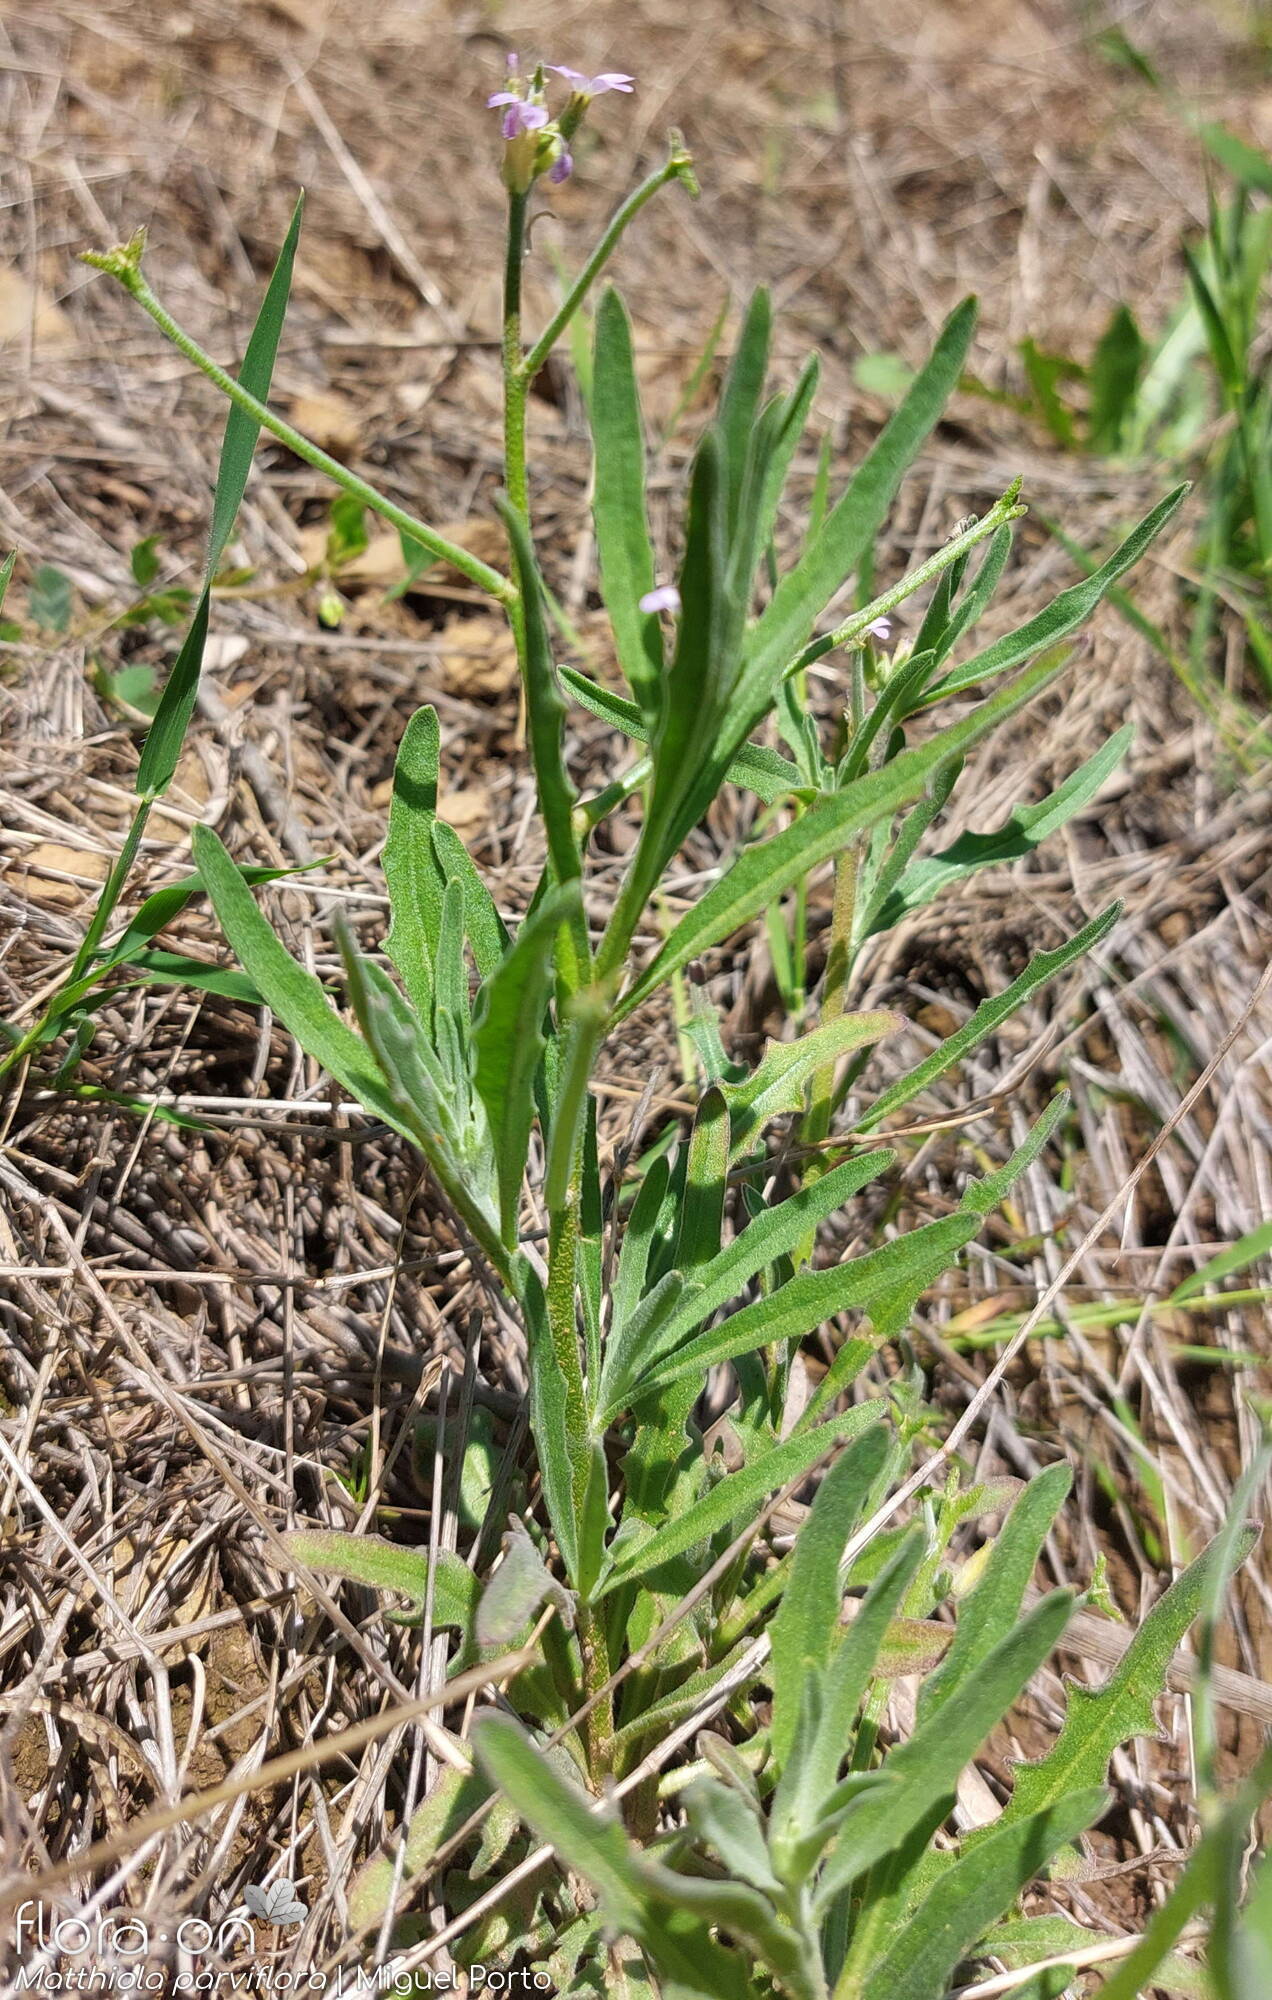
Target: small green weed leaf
<point x="1044" y="373"/>
<point x="49" y="599"/>
<point x="382" y="1565"/>
<point x="144" y="562"/>
<point x="721" y="1817"/>
<point x="764" y="872"/>
<point x="738" y="1494"/>
<point x="1099" y="1720"/>
<point x="990" y="1015"/>
<point x="618" y="506"/>
<point x="167" y="732"/>
<point x="884" y="375"/>
<point x="807" y="1623"/>
<point x="990" y="1611"/>
<point x="1065" y="613"/>
<point x="509" y="1041"/>
<point x="971" y="1895"/>
<point x="135" y="687"/>
<point x="347" y="533"/>
<point x="6" y="575"/>
<point x="455" y="1797"/>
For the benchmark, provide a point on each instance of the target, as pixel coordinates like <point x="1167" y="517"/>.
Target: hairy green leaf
<point x="618" y="506"/>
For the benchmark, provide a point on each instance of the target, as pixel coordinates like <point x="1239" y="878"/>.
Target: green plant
<point x="480" y="1047"/>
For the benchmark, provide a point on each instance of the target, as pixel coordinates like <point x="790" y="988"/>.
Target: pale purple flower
<point x="593" y="86"/>
<point x="562" y="167"/>
<point x="519" y="116"/>
<point x="881" y="629"/>
<point x="665" y="598"/>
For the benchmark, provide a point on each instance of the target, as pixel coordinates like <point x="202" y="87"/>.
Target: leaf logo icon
<point x="279" y="1904"/>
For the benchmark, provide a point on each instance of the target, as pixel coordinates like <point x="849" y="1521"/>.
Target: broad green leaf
<point x="925" y="1768"/>
<point x="383" y="1565"/>
<point x="813" y="1297"/>
<point x="989" y="1612"/>
<point x="851" y="526"/>
<point x="167" y="732"/>
<point x="807" y="1623"/>
<point x="739" y="1493"/>
<point x="722" y="1818"/>
<point x="777" y="1085"/>
<point x="971" y="1895"/>
<point x="294" y="994"/>
<point x="1065" y="613"/>
<point x="143" y="562"/>
<point x="618" y="506"/>
<point x="990" y="1015"/>
<point x="1026" y="828"/>
<point x="518" y="1587"/>
<point x="762" y="873"/>
<point x="1099" y="1720"/>
<point x="508" y="1041"/>
<point x="765" y="772"/>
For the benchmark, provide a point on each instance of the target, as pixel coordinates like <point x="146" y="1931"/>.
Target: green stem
<point x="516" y="380"/>
<point x="468" y="565"/>
<point x="1006" y="509"/>
<point x="676" y="168"/>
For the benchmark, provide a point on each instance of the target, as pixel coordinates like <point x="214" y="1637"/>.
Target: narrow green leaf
<point x="1065" y="613"/>
<point x="6" y="575"/>
<point x="969" y="1897"/>
<point x="415" y="881"/>
<point x="762" y="873"/>
<point x="777" y="1085"/>
<point x="294" y="994"/>
<point x="925" y="1768"/>
<point x="1099" y="1720"/>
<point x="49" y="599"/>
<point x="762" y="771"/>
<point x="638" y="1242"/>
<point x="384" y="1565"/>
<point x="851" y="1668"/>
<point x="618" y="506"/>
<point x="545" y="710"/>
<point x="508" y="1040"/>
<point x="1026" y="828"/>
<point x="990" y="1611"/>
<point x="813" y="1297"/>
<point x="990" y="1015"/>
<point x="1246" y="1250"/>
<point x="738" y="1494"/>
<point x="853" y="522"/>
<point x="806" y="1627"/>
<point x="167" y="732"/>
<point x="1245" y="163"/>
